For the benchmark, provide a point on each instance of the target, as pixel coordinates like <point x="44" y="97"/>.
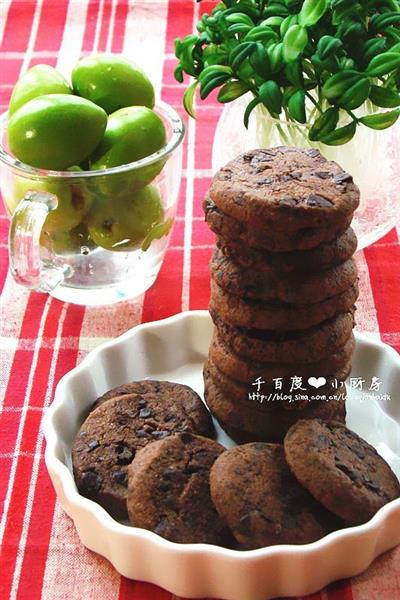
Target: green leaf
<point x="324" y="124"/>
<point x="178" y="74"/>
<point x="212" y="71"/>
<point x="383" y="64"/>
<point x="381" y="120"/>
<point x="355" y="95"/>
<point x="275" y="53"/>
<point x="207" y="87"/>
<point x="259" y="60"/>
<point x="271" y="96"/>
<point x="272" y="21"/>
<point x="297" y="107"/>
<point x="188" y="99"/>
<point x="239" y="18"/>
<point x="232" y="90"/>
<point x="384" y="97"/>
<point x="337" y="84"/>
<point x="312" y="11"/>
<point x="287" y="23"/>
<point x="294" y="73"/>
<point x="249" y="108"/>
<point x="340" y="136"/>
<point x="328" y="46"/>
<point x="294" y="42"/>
<point x="240" y="53"/>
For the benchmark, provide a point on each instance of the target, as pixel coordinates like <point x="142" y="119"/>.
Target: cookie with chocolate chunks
<point x="169" y="492"/>
<point x="268" y="236"/>
<point x="188" y="401"/>
<point x="324" y="256"/>
<point x="272" y="285"/>
<point x="290" y="187"/>
<point x="340" y="469"/>
<point x="111" y="435"/>
<point x="262" y="502"/>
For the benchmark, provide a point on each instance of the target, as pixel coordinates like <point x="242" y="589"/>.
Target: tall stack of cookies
<point x="283" y="288"/>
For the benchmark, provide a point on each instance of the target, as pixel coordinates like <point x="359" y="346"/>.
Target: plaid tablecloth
<point x="41" y="338"/>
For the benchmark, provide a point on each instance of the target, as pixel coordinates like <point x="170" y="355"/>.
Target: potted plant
<point x="323" y="73"/>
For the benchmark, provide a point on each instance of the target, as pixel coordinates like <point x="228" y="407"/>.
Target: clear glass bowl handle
<point x="26" y="263"/>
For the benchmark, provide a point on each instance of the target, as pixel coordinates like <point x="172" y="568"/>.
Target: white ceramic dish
<point x="175" y="349"/>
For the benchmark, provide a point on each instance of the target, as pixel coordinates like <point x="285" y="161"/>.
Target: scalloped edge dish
<point x="175" y="349"/>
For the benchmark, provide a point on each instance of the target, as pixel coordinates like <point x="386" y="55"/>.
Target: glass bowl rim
<point x="176" y="137"/>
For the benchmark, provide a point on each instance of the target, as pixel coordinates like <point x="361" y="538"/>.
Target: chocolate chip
<point x="92" y="445"/>
<point x="91" y="481"/>
<point x="288" y="201"/>
<point x="164" y="486"/>
<point x="141" y="433"/>
<point x="286" y="178"/>
<point x="171" y="474"/>
<point x="125" y="456"/>
<point x="264" y="181"/>
<point x="318" y="201"/>
<point x="159" y="435"/>
<point x="162" y="526"/>
<point x="323" y="441"/>
<point x="194" y="467"/>
<point x="343" y="178"/>
<point x="186" y="438"/>
<point x="120" y="477"/>
<point x="144" y="413"/>
<point x="323" y="174"/>
<point x="359" y="452"/>
<point x="296" y="175"/>
<point x="142" y="402"/>
<point x="313" y="152"/>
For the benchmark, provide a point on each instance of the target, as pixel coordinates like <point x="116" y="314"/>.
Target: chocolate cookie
<point x="291" y="188"/>
<point x="324" y="256"/>
<point x="109" y="438"/>
<point x="244" y="392"/>
<point x="251" y="421"/>
<point x="246" y="371"/>
<point x="263" y="504"/>
<point x="309" y="345"/>
<point x="296" y="288"/>
<point x="169" y="491"/>
<point x="278" y="315"/>
<point x="341" y="470"/>
<point x="269" y="237"/>
<point x="186" y="398"/>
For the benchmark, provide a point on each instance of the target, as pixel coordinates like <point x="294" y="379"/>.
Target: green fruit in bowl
<point x="112" y="82"/>
<point x="56" y="131"/>
<point x="125" y="223"/>
<point x="132" y="133"/>
<point x="37" y="81"/>
<point x="73" y="202"/>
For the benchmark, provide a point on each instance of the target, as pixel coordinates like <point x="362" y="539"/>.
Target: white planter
<point x="372" y="157"/>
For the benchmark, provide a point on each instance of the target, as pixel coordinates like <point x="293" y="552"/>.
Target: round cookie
<point x="340" y="469"/>
<point x="262" y="503"/>
<point x="278" y="315"/>
<point x="310" y="345"/>
<point x="247" y="371"/>
<point x="250" y="421"/>
<point x="296" y="288"/>
<point x="269" y="237"/>
<point x="189" y="401"/>
<point x="110" y="436"/>
<point x="324" y="256"/>
<point x="169" y="492"/>
<point x="246" y="393"/>
<point x="290" y="187"/>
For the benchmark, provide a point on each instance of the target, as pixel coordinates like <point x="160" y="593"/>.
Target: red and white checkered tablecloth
<point x="41" y="338"/>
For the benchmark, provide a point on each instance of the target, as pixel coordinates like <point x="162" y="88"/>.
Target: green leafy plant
<point x="311" y="62"/>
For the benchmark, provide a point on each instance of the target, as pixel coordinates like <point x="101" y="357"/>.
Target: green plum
<point x="124" y="224"/>
<point x="73" y="202"/>
<point x="132" y="133"/>
<point x="56" y="131"/>
<point x="37" y="81"/>
<point x="112" y="82"/>
<point x="66" y="241"/>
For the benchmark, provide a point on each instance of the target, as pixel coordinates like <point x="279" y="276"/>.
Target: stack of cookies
<point x="283" y="288"/>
